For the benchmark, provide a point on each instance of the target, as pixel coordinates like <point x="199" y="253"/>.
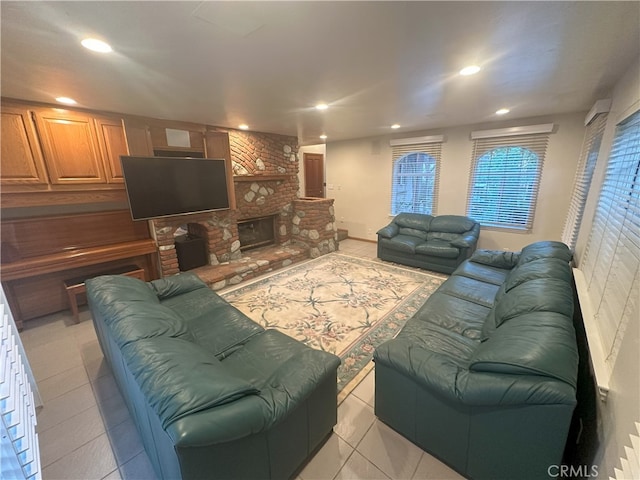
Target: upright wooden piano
<point x="39" y="253"/>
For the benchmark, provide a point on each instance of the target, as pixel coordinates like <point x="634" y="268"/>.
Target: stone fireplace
<point x="256" y="232"/>
<point x="266" y="188"/>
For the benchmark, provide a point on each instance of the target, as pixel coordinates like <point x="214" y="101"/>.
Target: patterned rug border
<point x="357" y="358"/>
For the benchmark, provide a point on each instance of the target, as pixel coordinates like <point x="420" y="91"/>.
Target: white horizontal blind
<point x="612" y="257"/>
<point x="505" y="177"/>
<point x="582" y="181"/>
<point x="20" y="453"/>
<point x="416" y="170"/>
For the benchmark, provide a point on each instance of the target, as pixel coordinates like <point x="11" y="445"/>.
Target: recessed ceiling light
<point x="322" y="106"/>
<point x="323" y="137"/>
<point x="502" y="111"/>
<point x="96" y="45"/>
<point x="244" y="126"/>
<point x="66" y="100"/>
<point x="395" y="125"/>
<point x="470" y="70"/>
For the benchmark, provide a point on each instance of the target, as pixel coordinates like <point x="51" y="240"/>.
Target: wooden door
<point x="70" y="147"/>
<point x="314" y="175"/>
<point x="21" y="160"/>
<point x="112" y="144"/>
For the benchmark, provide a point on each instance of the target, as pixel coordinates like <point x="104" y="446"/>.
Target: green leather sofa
<point x="435" y="243"/>
<point x="213" y="394"/>
<point x="484" y="375"/>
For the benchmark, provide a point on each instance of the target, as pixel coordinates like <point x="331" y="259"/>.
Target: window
<point x="505" y="176"/>
<point x="415" y="175"/>
<point x="611" y="262"/>
<point x="582" y="182"/>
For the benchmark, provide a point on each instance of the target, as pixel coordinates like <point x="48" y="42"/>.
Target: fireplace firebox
<point x="256" y="232"/>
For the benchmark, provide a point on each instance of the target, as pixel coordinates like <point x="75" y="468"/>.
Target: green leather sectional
<point x="484" y="375"/>
<point x="436" y="243"/>
<point x="213" y="394"/>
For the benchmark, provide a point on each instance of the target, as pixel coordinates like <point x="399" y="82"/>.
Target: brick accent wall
<point x="266" y="182"/>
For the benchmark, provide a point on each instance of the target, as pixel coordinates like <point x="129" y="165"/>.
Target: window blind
<point x="612" y="257"/>
<point x="505" y="177"/>
<point x="582" y="181"/>
<point x="416" y="170"/>
<point x="19" y="450"/>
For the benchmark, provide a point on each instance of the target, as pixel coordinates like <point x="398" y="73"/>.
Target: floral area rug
<point x="337" y="303"/>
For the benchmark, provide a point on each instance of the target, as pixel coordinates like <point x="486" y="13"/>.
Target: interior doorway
<point x="313" y="175"/>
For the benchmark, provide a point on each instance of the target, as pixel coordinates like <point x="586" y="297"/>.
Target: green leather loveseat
<point x="484" y="375"/>
<point x="213" y="394"/>
<point x="435" y="243"/>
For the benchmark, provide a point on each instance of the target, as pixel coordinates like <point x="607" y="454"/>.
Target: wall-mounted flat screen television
<point x="165" y="186"/>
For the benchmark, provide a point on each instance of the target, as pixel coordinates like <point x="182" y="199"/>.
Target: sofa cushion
<point x="445" y="236"/>
<point x="178" y="377"/>
<point x="413" y="232"/>
<point x="546" y="249"/>
<point x="470" y="289"/>
<point x="389" y="231"/>
<point x="539" y="268"/>
<point x="401" y="243"/>
<point x="223" y="329"/>
<point x="495" y="258"/>
<point x="451" y="224"/>
<point x="438" y="248"/>
<point x="130" y="323"/>
<point x="417" y="221"/>
<point x="539" y="295"/>
<point x="484" y="273"/>
<point x="539" y="343"/>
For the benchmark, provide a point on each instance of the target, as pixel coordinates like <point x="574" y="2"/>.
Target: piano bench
<point x="75" y="286"/>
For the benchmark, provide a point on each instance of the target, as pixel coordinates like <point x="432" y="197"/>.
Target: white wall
<point x="622" y="409"/>
<point x="360" y="171"/>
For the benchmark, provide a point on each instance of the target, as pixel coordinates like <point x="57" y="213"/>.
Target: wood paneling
<point x="217" y="146"/>
<point x="138" y="137"/>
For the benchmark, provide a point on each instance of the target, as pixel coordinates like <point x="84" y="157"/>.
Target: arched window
<point x="414" y="183"/>
<point x="504" y="187"/>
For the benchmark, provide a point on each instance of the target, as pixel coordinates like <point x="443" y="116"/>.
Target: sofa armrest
<point x="431" y="370"/>
<point x="176" y="285"/>
<point x="389" y="231"/>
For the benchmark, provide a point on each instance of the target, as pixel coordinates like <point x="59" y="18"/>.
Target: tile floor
<point x="86" y="432"/>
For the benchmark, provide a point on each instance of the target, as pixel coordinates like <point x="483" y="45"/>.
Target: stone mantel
<point x="264" y="178"/>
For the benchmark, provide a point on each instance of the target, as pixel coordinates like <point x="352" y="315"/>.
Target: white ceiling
<point x="268" y="63"/>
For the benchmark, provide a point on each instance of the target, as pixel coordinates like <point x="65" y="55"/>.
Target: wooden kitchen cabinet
<point x="21" y="163"/>
<point x="70" y="147"/>
<point x="138" y="136"/>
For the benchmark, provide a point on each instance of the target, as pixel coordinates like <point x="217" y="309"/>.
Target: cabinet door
<point x="71" y="151"/>
<point x="21" y="161"/>
<point x="138" y="138"/>
<point x="112" y="144"/>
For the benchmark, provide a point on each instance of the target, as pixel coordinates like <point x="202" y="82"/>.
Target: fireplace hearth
<point x="256" y="232"/>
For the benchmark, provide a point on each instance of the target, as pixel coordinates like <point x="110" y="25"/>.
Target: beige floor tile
<point x="114" y="411"/>
<point x="62" y="383"/>
<point x="64" y="407"/>
<point x="52" y="358"/>
<point x="125" y="441"/>
<point x="328" y="461"/>
<point x="138" y="468"/>
<point x="105" y="387"/>
<point x="115" y="475"/>
<point x="396" y="456"/>
<point x="97" y="368"/>
<point x="359" y="468"/>
<point x="70" y="435"/>
<point x="430" y="468"/>
<point x="93" y="460"/>
<point x="365" y="390"/>
<point x="354" y="419"/>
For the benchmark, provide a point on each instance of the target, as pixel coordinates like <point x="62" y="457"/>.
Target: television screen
<point x="164" y="186"/>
